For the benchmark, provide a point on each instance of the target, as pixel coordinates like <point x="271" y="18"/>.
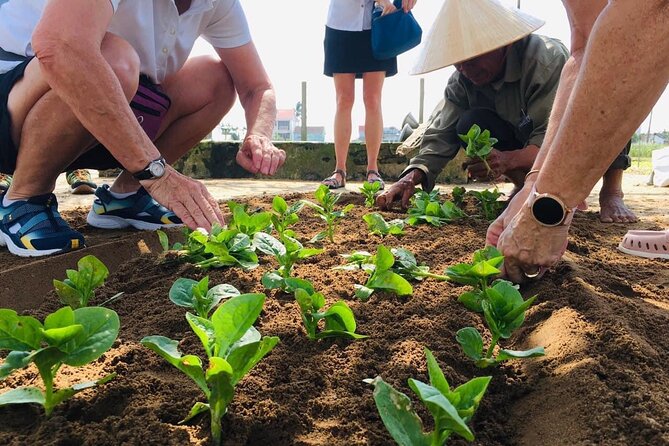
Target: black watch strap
<point x="155" y="169"/>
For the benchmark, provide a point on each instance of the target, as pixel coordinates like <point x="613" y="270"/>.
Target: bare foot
<point x="614" y="210"/>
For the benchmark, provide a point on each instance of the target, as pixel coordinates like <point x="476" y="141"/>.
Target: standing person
<point x="69" y="70"/>
<point x="348" y="56"/>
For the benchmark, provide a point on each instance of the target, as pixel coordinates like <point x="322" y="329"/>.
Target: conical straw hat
<point x="465" y="29"/>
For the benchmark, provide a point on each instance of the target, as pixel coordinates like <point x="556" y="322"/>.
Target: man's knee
<point x="124" y="61"/>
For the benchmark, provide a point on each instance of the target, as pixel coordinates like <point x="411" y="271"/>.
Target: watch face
<point x="548" y="211"/>
<point x="157" y="169"/>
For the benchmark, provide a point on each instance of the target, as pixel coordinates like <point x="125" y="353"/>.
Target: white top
<point x="162" y="38"/>
<point x="350" y="15"/>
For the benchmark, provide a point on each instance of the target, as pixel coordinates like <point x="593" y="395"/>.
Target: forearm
<point x="523" y="159"/>
<point x="594" y="115"/>
<point x="83" y="79"/>
<point x="260" y="111"/>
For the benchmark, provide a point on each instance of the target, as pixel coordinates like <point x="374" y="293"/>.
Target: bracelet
<point x="533" y="171"/>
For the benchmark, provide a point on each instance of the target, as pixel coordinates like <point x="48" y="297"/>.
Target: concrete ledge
<point x="305" y="161"/>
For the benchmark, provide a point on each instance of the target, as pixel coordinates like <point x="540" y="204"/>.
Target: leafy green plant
<point x="233" y="347"/>
<point x="219" y="248"/>
<point x="407" y="266"/>
<point x="451" y="409"/>
<point x="246" y="223"/>
<point x="382" y="277"/>
<point x="488" y="203"/>
<point x="369" y="190"/>
<point x="286" y="254"/>
<point x="164" y="241"/>
<point x="338" y="319"/>
<point x="284" y="216"/>
<point x="504" y="311"/>
<point x="71" y="337"/>
<point x="458" y="194"/>
<point x="378" y="225"/>
<point x="479" y="144"/>
<point x="478" y="273"/>
<point x="197" y="296"/>
<point x="426" y="208"/>
<point x="80" y="285"/>
<point x="325" y="210"/>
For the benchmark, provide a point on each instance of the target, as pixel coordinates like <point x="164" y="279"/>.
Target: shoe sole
<point x="113" y="222"/>
<point x="644" y="254"/>
<point x="83" y="189"/>
<point x="5" y="240"/>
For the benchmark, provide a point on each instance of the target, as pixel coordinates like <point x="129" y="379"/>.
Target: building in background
<point x="284" y="126"/>
<point x="390" y="134"/>
<point x="314" y="133"/>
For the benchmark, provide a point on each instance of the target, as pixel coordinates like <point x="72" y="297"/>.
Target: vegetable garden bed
<point x="601" y="316"/>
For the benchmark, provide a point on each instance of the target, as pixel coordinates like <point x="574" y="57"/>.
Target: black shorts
<point x="351" y="52"/>
<point x="98" y="157"/>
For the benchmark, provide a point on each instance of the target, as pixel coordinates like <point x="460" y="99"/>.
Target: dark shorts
<point x="351" y="52"/>
<point x="149" y="105"/>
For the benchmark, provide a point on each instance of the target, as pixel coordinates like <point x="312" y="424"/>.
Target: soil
<point x="602" y="317"/>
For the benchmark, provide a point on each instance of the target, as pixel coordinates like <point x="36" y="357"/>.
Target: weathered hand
<point x="530" y="248"/>
<point x="407" y="5"/>
<point x="499" y="225"/>
<point x="388" y="6"/>
<point x="500" y="163"/>
<point x="189" y="199"/>
<point x="258" y="155"/>
<point x="401" y="191"/>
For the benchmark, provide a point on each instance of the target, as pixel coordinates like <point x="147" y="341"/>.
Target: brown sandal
<point x="332" y="182"/>
<point x="377" y="180"/>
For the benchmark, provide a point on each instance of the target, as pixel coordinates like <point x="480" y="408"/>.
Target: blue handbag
<point x="394" y="33"/>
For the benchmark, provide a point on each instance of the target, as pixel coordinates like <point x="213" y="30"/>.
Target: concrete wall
<point x="305" y="161"/>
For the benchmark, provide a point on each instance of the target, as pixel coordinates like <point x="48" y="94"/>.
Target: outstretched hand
<point x="401" y="191"/>
<point x="189" y="199"/>
<point x="258" y="155"/>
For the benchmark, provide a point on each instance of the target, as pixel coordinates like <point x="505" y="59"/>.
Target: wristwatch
<point x="154" y="170"/>
<point x="549" y="210"/>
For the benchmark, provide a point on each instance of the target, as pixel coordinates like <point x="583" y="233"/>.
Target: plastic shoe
<point x="33" y="227"/>
<point x="138" y="210"/>
<point x="80" y="182"/>
<point x="648" y="244"/>
<point x="5" y="181"/>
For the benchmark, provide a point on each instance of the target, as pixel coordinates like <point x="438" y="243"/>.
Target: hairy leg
<point x="345" y="96"/>
<point x="45" y="130"/>
<point x="372" y="88"/>
<point x="202" y="93"/>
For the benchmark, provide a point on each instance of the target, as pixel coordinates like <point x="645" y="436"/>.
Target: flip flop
<point x="377" y="180"/>
<point x="647" y="244"/>
<point x="332" y="182"/>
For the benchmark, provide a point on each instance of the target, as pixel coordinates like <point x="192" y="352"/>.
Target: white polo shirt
<point x="162" y="38"/>
<point x="350" y="15"/>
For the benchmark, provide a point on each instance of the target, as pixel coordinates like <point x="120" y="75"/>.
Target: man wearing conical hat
<point x="505" y="81"/>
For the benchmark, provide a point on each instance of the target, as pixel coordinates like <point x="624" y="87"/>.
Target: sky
<point x="289" y="37"/>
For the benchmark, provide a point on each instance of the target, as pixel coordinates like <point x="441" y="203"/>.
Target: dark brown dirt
<point x="601" y="315"/>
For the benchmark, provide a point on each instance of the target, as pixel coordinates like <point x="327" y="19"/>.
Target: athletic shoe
<point x="80" y="182"/>
<point x="138" y="210"/>
<point x="33" y="227"/>
<point x="5" y="181"/>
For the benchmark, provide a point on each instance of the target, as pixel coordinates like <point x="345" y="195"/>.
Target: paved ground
<point x="649" y="202"/>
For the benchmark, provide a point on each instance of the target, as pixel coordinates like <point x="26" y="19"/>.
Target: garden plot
<point x="600" y="316"/>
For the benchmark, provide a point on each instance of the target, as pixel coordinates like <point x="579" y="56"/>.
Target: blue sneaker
<point x="138" y="210"/>
<point x="33" y="227"/>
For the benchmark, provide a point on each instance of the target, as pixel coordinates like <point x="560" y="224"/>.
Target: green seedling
<point x="479" y="144"/>
<point x="338" y="319"/>
<point x="382" y="277"/>
<point x="325" y="210"/>
<point x="479" y="273"/>
<point x="233" y="347"/>
<point x="504" y="311"/>
<point x="197" y="296"/>
<point x="165" y="242"/>
<point x="284" y="216"/>
<point x="80" y="285"/>
<point x="219" y="248"/>
<point x="451" y="409"/>
<point x="71" y="337"/>
<point x="286" y="254"/>
<point x="488" y="203"/>
<point x="458" y="195"/>
<point x="425" y="208"/>
<point x="378" y="225"/>
<point x="369" y="190"/>
<point x="245" y="223"/>
<point x="358" y="260"/>
<point x="407" y="266"/>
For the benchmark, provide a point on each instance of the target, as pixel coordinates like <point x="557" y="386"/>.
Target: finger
<point x="382" y="201"/>
<point x="266" y="163"/>
<point x="276" y="162"/>
<point x="195" y="212"/>
<point x="282" y="158"/>
<point x="181" y="212"/>
<point x="511" y="270"/>
<point x="494" y="231"/>
<point x="245" y="161"/>
<point x="216" y="209"/>
<point x="406" y="197"/>
<point x="258" y="156"/>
